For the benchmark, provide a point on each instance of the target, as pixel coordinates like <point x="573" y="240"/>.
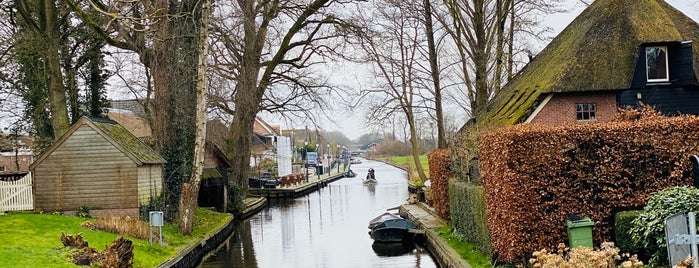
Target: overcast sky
<point x="351" y="123"/>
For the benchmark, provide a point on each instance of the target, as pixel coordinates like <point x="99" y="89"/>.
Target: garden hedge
<point x="468" y="216"/>
<point x="535" y="176"/>
<point x="440" y="174"/>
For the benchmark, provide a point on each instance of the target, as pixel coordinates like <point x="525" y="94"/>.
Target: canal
<point x="327" y="228"/>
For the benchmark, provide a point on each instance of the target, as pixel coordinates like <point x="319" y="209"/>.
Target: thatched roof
<point x="596" y="52"/>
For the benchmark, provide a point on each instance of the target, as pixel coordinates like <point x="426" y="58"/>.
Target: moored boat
<point x="393" y="230"/>
<point x="381" y="218"/>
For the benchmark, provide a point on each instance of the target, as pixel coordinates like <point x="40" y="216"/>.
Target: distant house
<point x="214" y="178"/>
<point x="15" y="154"/>
<point x="100" y="165"/>
<point x="263" y="141"/>
<point x="615" y="54"/>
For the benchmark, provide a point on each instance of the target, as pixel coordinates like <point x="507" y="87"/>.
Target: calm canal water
<point x="327" y="228"/>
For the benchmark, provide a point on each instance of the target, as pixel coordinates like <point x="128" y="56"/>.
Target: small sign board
<point x="156" y="218"/>
<point x="676" y="232"/>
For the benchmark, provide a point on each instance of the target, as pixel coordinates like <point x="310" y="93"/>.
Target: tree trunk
<point x="247" y="98"/>
<point x="415" y="146"/>
<point x="434" y="69"/>
<point x="188" y="203"/>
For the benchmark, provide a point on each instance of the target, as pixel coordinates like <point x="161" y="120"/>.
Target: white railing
<point x="17" y="195"/>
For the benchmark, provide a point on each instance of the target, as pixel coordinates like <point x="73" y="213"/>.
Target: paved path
<point x="426" y="219"/>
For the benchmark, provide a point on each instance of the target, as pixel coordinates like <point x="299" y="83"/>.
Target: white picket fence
<point x="17" y="195"/>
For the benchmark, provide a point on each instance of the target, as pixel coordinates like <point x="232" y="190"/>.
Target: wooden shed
<point x="99" y="165"/>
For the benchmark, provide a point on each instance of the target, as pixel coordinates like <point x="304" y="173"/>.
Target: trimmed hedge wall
<point x="535" y="176"/>
<point x="440" y="174"/>
<point x="468" y="214"/>
<point x="622" y="238"/>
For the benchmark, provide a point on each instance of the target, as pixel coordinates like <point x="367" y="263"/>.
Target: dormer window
<point x="656" y="64"/>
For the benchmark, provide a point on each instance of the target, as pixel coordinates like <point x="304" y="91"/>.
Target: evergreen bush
<point x="648" y="228"/>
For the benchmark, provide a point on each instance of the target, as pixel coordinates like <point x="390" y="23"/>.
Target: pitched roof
<point x="115" y="134"/>
<point x="597" y="51"/>
<point x="262" y="128"/>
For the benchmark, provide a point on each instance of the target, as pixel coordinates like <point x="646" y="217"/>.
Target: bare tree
<point x="395" y="36"/>
<point x="264" y="50"/>
<point x="485" y="33"/>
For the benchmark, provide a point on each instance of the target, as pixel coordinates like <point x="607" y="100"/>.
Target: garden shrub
<point x="622" y="237"/>
<point x="155" y="203"/>
<point x="468" y="214"/>
<point x="648" y="228"/>
<point x="535" y="176"/>
<point x="583" y="257"/>
<point x="440" y="174"/>
<point x="236" y="194"/>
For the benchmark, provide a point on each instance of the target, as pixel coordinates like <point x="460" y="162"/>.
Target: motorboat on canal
<point x="381" y="218"/>
<point x="391" y="228"/>
<point x="370" y="181"/>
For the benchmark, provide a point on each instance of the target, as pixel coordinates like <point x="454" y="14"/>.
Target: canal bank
<point x="426" y="219"/>
<point x="192" y="255"/>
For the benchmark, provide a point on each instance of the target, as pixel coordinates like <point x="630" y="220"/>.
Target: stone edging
<point x="442" y="252"/>
<point x="192" y="255"/>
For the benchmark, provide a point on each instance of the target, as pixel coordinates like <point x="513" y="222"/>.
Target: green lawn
<point x="34" y="240"/>
<point x="408" y="163"/>
<point x="467" y="251"/>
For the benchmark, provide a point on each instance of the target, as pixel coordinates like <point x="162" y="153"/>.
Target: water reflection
<point x="327" y="228"/>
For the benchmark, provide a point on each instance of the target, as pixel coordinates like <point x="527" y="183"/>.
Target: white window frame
<point x="591" y="113"/>
<point x="667" y="66"/>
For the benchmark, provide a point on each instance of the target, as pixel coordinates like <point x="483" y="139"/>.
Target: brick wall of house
<point x="8" y="163"/>
<point x="561" y="109"/>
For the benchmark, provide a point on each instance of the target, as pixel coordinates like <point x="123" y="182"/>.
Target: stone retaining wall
<point x="193" y="254"/>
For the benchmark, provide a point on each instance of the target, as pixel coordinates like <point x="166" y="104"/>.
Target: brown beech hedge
<point x="440" y="161"/>
<point x="535" y="176"/>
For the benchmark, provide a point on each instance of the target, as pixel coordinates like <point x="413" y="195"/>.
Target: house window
<point x="656" y="64"/>
<point x="586" y="111"/>
<point x="2" y="168"/>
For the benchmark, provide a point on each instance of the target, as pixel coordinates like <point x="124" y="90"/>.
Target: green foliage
<point x="467" y="251"/>
<point x="83" y="212"/>
<point x="622" y="226"/>
<point x="468" y="214"/>
<point x="235" y="198"/>
<point x="155" y="203"/>
<point x="649" y="227"/>
<point x="535" y="176"/>
<point x="36" y="239"/>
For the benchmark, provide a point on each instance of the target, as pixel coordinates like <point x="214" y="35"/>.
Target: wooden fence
<point x="16" y="194"/>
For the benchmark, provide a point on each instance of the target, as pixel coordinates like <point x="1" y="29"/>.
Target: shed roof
<point x="596" y="52"/>
<point x="115" y="134"/>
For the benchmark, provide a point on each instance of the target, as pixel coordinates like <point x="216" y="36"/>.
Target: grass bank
<point x="34" y="240"/>
<point x="466" y="250"/>
<point x="408" y="163"/>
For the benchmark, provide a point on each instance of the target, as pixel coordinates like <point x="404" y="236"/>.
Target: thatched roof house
<point x="99" y="165"/>
<point x="614" y="54"/>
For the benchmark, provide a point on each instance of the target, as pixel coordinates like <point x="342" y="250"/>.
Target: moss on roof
<point x="210" y="173"/>
<point x="597" y="51"/>
<point x="129" y="142"/>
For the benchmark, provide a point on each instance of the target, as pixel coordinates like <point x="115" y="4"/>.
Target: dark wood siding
<point x="669" y="101"/>
<point x="680" y="64"/>
<point x="86" y="170"/>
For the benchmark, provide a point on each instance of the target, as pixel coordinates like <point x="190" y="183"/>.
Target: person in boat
<point x="370" y="175"/>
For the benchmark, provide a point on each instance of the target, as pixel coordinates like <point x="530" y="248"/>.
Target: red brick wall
<point x="7" y="160"/>
<point x="561" y="108"/>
